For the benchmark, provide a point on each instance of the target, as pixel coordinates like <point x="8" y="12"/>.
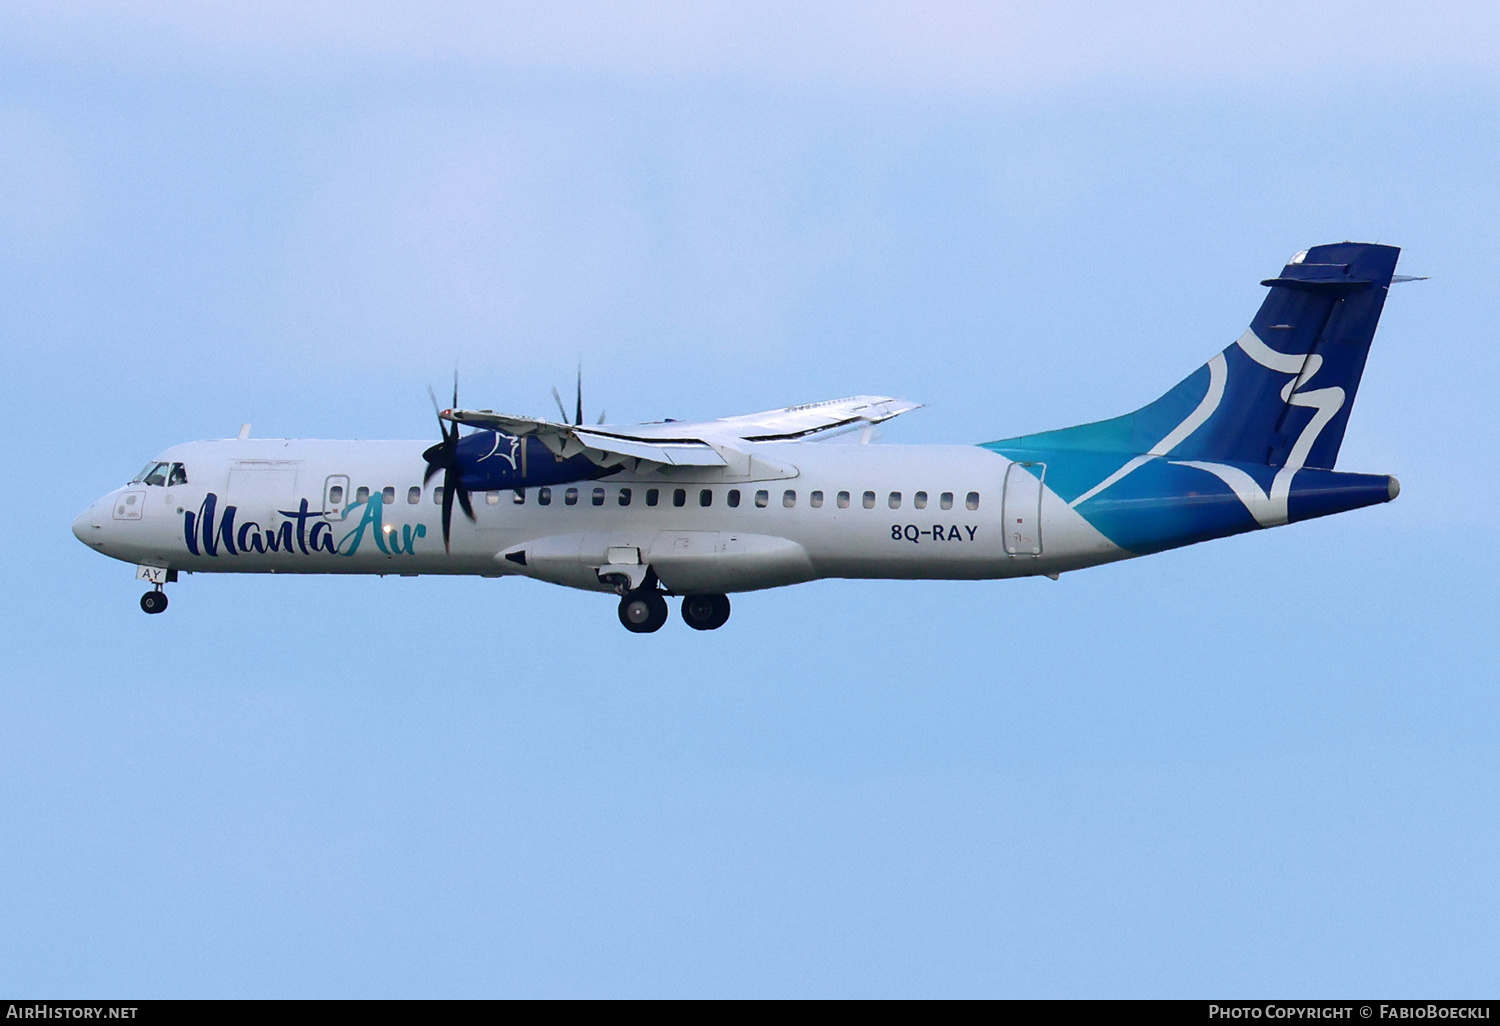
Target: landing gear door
<point x="335" y="496"/>
<point x="1022" y="508"/>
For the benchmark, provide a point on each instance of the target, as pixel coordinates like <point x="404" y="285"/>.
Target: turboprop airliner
<point x="701" y="511"/>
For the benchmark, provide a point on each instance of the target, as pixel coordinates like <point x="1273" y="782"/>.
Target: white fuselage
<point x="787" y="512"/>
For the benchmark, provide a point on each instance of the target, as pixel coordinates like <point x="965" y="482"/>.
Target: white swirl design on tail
<point x="1218" y="375"/>
<point x="1268" y="508"/>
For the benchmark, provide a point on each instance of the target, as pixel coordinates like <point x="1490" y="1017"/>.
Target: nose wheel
<point x="642" y="611"/>
<point x="705" y="612"/>
<point x="154" y="601"/>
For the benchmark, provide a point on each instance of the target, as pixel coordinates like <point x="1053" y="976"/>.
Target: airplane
<point x="704" y="510"/>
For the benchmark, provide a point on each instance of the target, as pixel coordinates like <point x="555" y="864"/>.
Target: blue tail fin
<point x="1281" y="395"/>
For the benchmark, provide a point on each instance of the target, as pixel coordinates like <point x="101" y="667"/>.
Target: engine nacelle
<point x="493" y="460"/>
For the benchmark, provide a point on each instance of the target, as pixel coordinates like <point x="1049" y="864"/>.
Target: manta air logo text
<point x="210" y="532"/>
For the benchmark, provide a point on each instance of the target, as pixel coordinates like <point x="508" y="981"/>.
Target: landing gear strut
<point x="154" y="601"/>
<point x="643" y="611"/>
<point x="705" y="612"/>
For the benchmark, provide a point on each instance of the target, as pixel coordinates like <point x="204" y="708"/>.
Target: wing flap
<point x="673" y="453"/>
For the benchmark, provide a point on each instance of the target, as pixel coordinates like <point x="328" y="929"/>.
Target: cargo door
<point x="261" y="488"/>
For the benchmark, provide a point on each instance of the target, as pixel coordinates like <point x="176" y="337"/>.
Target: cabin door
<point x="1021" y="508"/>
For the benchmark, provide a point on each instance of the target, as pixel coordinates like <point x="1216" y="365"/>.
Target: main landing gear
<point x="154" y="601"/>
<point x="644" y="610"/>
<point x="705" y="612"/>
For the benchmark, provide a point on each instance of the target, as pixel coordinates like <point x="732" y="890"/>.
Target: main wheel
<point x="643" y="611"/>
<point x="705" y="612"/>
<point x="154" y="601"/>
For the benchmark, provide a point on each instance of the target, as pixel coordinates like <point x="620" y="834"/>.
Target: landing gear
<point x="154" y="601"/>
<point x="705" y="612"/>
<point x="642" y="611"/>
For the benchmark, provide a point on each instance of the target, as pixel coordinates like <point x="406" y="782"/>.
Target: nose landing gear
<point x="155" y="600"/>
<point x="643" y="611"/>
<point x="705" y="612"/>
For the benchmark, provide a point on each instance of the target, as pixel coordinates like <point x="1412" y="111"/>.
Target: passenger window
<point x="387" y="495"/>
<point x="414" y="495"/>
<point x="544" y="496"/>
<point x="518" y="496"/>
<point x="679" y="496"/>
<point x="762" y="498"/>
<point x="653" y="496"/>
<point x="789" y="498"/>
<point x="972" y="500"/>
<point x="733" y="498"/>
<point x="570" y="497"/>
<point x="492" y="497"/>
<point x="437" y="495"/>
<point x="624" y="496"/>
<point x="946" y="500"/>
<point x="706" y="497"/>
<point x="179" y="475"/>
<point x="869" y="500"/>
<point x="336" y="495"/>
<point x="815" y="500"/>
<point x="843" y="500"/>
<point x="362" y="494"/>
<point x="598" y="496"/>
<point x="895" y="500"/>
<point x="919" y="500"/>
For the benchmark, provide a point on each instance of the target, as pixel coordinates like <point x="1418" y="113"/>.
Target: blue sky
<point x="1263" y="766"/>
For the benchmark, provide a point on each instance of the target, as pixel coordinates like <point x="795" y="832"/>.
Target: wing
<point x="793" y="422"/>
<point x="685" y="443"/>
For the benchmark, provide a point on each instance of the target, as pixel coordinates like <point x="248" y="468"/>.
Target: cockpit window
<point x="167" y="474"/>
<point x="154" y="474"/>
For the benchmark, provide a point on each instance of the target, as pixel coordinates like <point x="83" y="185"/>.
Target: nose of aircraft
<point x="89" y="527"/>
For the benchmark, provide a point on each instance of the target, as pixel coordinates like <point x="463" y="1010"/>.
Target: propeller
<point x="578" y="404"/>
<point x="444" y="456"/>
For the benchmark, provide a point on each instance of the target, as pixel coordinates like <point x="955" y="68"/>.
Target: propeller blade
<point x="447" y="510"/>
<point x="435" y="461"/>
<point x="463" y="500"/>
<point x="578" y="417"/>
<point x="455" y="390"/>
<point x="560" y="407"/>
<point x="602" y="415"/>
